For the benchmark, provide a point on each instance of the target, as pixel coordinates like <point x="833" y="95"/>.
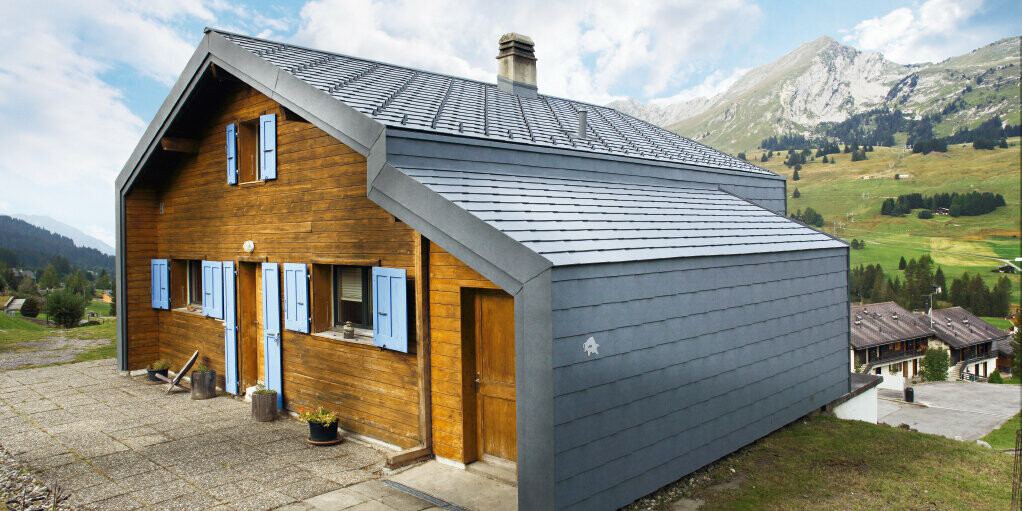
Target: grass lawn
<point x="849" y="195"/>
<point x="17" y="330"/>
<point x="827" y="463"/>
<point x="1001" y="323"/>
<point x="1004" y="436"/>
<point x="99" y="307"/>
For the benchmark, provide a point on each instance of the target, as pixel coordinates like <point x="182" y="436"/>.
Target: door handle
<point x="382" y="313"/>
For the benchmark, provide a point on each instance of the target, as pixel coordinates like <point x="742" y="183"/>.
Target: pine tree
<point x="794" y="177"/>
<point x="49" y="278"/>
<point x="902" y="264"/>
<point x="939" y="280"/>
<point x="825" y="159"/>
<point x="796" y="194"/>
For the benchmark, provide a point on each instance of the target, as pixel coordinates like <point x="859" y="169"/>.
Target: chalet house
<point x="596" y="304"/>
<point x="1005" y="355"/>
<point x="971" y="340"/>
<point x="888" y="340"/>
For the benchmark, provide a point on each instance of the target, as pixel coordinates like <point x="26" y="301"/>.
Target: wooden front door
<point x="495" y="374"/>
<point x="249" y="329"/>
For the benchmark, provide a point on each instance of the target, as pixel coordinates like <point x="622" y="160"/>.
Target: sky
<point x="80" y="81"/>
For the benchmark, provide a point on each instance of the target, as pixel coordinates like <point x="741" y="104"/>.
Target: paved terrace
<point x="118" y="443"/>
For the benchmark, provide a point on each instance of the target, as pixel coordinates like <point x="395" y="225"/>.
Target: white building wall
<point x="892" y="382"/>
<point x="861" y="408"/>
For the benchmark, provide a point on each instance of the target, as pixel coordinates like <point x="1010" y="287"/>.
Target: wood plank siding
<point x="452" y="377"/>
<point x="316" y="209"/>
<point x="141" y="208"/>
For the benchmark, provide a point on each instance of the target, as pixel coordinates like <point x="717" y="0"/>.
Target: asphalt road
<point x="960" y="410"/>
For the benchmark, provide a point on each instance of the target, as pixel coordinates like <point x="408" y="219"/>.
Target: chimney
<point x="516" y="65"/>
<point x="583" y="123"/>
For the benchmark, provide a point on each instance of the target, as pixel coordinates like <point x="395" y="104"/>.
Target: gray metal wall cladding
<point x="697" y="358"/>
<point x="408" y="149"/>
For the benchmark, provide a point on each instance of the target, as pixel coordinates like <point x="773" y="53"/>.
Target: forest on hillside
<point x="24" y="245"/>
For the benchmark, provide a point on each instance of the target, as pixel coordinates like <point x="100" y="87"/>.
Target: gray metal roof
<point x="413" y="99"/>
<point x="883" y="323"/>
<point x="960" y="328"/>
<point x="575" y="221"/>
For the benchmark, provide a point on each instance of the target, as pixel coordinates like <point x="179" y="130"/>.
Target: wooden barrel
<point x="264" y="406"/>
<point x="203" y="385"/>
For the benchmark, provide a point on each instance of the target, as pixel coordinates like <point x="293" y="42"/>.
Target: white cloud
<point x="931" y="32"/>
<point x="584" y="49"/>
<point x="68" y="131"/>
<point x="715" y="83"/>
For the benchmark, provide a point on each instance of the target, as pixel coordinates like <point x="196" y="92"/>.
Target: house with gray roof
<point x="888" y="340"/>
<point x="473" y="271"/>
<point x="971" y="341"/>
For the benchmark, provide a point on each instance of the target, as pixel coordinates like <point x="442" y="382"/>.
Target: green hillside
<point x="849" y="195"/>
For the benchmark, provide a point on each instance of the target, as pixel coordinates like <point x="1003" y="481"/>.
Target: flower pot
<point x="151" y="374"/>
<point x="323" y="434"/>
<point x="203" y="384"/>
<point x="264" y="406"/>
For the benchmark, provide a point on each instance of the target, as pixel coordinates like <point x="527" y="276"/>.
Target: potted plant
<point x="160" y="367"/>
<point x="264" y="404"/>
<point x="203" y="382"/>
<point x="322" y="426"/>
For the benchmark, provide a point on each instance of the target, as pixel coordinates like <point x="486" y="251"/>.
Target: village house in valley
<point x="890" y="341"/>
<point x="593" y="303"/>
<point x="972" y="341"/>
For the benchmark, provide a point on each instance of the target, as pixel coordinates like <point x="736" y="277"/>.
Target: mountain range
<point x="23" y="245"/>
<point x="77" y="236"/>
<point x="823" y="82"/>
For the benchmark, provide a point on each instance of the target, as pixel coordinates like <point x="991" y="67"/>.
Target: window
<point x="351" y="296"/>
<point x="251" y="150"/>
<point x="195" y="283"/>
<point x="248" y="151"/>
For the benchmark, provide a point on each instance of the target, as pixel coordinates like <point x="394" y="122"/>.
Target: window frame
<point x="194" y="280"/>
<point x="338" y="322"/>
<point x="248" y="130"/>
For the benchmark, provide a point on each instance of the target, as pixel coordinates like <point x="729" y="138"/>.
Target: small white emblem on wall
<point x="590" y="347"/>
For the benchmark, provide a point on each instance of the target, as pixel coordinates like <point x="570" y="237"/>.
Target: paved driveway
<point x="117" y="443"/>
<point x="963" y="410"/>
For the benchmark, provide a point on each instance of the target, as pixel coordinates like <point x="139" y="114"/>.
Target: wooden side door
<point x="495" y="374"/>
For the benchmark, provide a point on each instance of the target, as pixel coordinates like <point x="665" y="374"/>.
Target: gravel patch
<point x="21" y="490"/>
<point x="50" y="350"/>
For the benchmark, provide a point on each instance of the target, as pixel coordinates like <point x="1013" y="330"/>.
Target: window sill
<point x="362" y="336"/>
<point x="253" y="183"/>
<point x="197" y="311"/>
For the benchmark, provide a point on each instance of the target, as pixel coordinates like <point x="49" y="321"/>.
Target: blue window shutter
<point x="296" y="297"/>
<point x="230" y="331"/>
<point x="159" y="291"/>
<point x="232" y="154"/>
<point x="217" y="276"/>
<point x="390" y="309"/>
<point x="207" y="289"/>
<point x="213" y="289"/>
<point x="268" y="146"/>
<point x="272" y="352"/>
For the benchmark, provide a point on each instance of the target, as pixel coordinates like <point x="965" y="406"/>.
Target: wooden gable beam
<point x="179" y="145"/>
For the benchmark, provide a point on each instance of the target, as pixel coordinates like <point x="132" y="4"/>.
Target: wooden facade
<point x="453" y="369"/>
<point x="315" y="212"/>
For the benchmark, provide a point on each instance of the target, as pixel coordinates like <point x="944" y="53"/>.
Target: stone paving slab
<point x="115" y="442"/>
